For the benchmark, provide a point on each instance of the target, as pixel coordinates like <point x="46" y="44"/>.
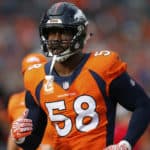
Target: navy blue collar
<point x="70" y="78"/>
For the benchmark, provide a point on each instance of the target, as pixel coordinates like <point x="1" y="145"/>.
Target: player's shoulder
<point x="105" y="58"/>
<point x="34" y="74"/>
<point x="15" y="98"/>
<point x="106" y="63"/>
<point x="17" y="95"/>
<point x="107" y="55"/>
<point x="33" y="71"/>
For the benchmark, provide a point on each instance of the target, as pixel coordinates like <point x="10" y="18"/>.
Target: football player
<point x="78" y="91"/>
<point x="16" y="103"/>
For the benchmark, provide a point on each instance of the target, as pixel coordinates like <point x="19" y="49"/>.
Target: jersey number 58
<point x="90" y="111"/>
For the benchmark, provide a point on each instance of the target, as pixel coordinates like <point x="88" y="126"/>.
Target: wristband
<point x="124" y="142"/>
<point x="20" y="140"/>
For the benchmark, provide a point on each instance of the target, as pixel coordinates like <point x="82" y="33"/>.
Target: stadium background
<point x="119" y="25"/>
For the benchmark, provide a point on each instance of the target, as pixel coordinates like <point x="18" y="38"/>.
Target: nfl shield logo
<point x="65" y="85"/>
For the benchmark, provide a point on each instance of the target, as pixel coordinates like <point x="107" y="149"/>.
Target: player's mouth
<point x="57" y="51"/>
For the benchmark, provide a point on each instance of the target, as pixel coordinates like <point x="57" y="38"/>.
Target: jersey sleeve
<point x="108" y="65"/>
<point x="10" y="107"/>
<point x="32" y="78"/>
<point x="16" y="105"/>
<point x="132" y="96"/>
<point x="115" y="67"/>
<point x="39" y="119"/>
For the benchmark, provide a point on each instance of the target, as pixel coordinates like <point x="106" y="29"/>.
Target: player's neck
<point x="66" y="68"/>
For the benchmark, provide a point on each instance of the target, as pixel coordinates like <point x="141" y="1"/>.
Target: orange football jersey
<point x="16" y="106"/>
<point x="77" y="105"/>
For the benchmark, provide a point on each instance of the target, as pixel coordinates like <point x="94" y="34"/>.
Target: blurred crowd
<point x="119" y="25"/>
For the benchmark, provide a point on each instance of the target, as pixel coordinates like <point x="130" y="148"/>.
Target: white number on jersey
<point x="103" y="52"/>
<point x="90" y="111"/>
<point x="35" y="66"/>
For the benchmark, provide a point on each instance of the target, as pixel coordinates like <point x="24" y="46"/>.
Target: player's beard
<point x="58" y="47"/>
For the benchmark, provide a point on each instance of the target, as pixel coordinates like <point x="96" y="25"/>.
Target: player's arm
<point x="39" y="121"/>
<point x="131" y="95"/>
<point x="11" y="145"/>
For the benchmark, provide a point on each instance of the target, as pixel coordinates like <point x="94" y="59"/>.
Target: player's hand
<point x="21" y="127"/>
<point x="122" y="145"/>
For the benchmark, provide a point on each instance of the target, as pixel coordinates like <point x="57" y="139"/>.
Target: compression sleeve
<point x="39" y="119"/>
<point x="132" y="96"/>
